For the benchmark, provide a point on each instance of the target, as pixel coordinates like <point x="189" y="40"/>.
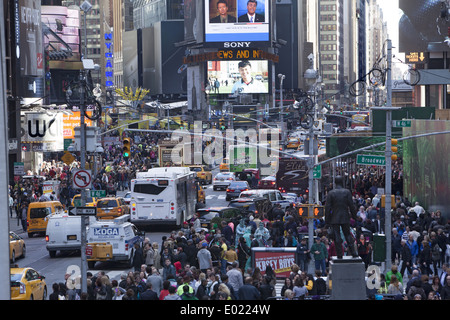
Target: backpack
<point x="321" y="286"/>
<point x="436" y="252"/>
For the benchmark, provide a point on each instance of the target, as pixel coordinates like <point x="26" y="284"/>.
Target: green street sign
<point x="98" y="193"/>
<point x="317" y="172"/>
<point x="401" y="123"/>
<point x="371" y="160"/>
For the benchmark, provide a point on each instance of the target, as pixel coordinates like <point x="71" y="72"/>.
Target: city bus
<point x="163" y="196"/>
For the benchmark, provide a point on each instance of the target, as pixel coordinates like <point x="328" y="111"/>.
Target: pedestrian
<point x="248" y="291"/>
<point x="320" y="253"/>
<point x="425" y="258"/>
<point x="393" y="271"/>
<point x="300" y="291"/>
<point x="55" y="294"/>
<point x="138" y="259"/>
<point x="243" y="252"/>
<point x="363" y="249"/>
<point x="235" y="279"/>
<point x="172" y="294"/>
<point x="395" y="286"/>
<point x="23" y="216"/>
<point x="149" y="294"/>
<point x="204" y="258"/>
<point x="303" y="255"/>
<point x="406" y="258"/>
<point x="266" y="289"/>
<point x="155" y="280"/>
<point x="445" y="294"/>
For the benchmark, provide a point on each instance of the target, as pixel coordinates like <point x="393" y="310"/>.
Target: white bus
<point x="163" y="196"/>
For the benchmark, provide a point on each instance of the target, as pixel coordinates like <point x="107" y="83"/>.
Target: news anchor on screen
<point x="222" y="10"/>
<point x="251" y="16"/>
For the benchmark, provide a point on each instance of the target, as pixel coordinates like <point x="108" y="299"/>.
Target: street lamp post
<point x="310" y="76"/>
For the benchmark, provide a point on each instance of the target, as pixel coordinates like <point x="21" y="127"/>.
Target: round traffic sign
<point x="82" y="179"/>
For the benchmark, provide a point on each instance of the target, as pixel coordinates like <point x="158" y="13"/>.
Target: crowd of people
<point x="215" y="263"/>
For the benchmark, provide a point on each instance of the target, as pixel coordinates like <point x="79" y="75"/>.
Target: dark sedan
<point x="235" y="188"/>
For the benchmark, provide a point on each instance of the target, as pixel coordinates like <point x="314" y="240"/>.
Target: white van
<point x="272" y="194"/>
<point x="112" y="240"/>
<point x="63" y="233"/>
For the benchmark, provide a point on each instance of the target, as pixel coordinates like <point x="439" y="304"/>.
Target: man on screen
<point x="247" y="84"/>
<point x="223" y="17"/>
<point x="251" y="15"/>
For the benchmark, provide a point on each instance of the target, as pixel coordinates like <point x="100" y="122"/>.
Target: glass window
<point x="148" y="189"/>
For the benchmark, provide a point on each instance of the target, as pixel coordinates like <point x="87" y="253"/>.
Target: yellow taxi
<point x="90" y="202"/>
<point x="225" y="165"/>
<point x="27" y="284"/>
<point x="17" y="247"/>
<point x="293" y="143"/>
<point x="38" y="214"/>
<point x="112" y="207"/>
<point x="203" y="176"/>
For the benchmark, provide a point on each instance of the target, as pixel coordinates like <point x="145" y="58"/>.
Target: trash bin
<point x="379" y="247"/>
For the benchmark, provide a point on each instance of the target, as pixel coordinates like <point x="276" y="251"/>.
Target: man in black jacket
<point x="406" y="258"/>
<point x="248" y="291"/>
<point x="149" y="294"/>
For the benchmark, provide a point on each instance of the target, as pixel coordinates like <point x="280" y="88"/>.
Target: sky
<point x="391" y="15"/>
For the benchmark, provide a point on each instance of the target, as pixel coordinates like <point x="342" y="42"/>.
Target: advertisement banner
<point x="279" y="259"/>
<point x="72" y="121"/>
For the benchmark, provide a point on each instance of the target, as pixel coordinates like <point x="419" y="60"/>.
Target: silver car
<point x="222" y="180"/>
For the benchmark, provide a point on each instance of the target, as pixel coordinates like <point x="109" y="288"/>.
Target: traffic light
<point x="319" y="211"/>
<point x="222" y="124"/>
<point x="383" y="201"/>
<point x="303" y="211"/>
<point x="126" y="147"/>
<point x="394" y="149"/>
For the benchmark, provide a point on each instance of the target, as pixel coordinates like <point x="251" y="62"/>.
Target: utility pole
<point x="84" y="219"/>
<point x="281" y="77"/>
<point x="388" y="174"/>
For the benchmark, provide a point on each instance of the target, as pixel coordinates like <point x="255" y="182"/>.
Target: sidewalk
<point x="16" y="225"/>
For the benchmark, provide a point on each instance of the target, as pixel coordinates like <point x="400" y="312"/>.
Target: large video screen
<point x="236" y="20"/>
<point x="423" y="27"/>
<point x="235" y="77"/>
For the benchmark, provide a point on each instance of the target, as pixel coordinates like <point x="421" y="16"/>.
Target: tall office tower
<point x="331" y="48"/>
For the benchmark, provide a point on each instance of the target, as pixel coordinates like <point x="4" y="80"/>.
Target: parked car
<point x="235" y="188"/>
<point x="207" y="214"/>
<point x="222" y="180"/>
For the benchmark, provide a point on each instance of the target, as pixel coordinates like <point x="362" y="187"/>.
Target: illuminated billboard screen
<point x="237" y="20"/>
<point x="422" y="26"/>
<point x="234" y="77"/>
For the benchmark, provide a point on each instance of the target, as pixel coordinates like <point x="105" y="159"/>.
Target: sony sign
<point x="242" y="44"/>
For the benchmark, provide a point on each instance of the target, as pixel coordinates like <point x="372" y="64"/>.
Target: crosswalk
<point x="218" y="197"/>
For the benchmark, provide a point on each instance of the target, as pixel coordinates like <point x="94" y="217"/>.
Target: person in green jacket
<point x="320" y="254"/>
<point x="394" y="270"/>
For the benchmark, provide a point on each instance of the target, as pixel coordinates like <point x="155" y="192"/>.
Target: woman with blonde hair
<point x="395" y="286"/>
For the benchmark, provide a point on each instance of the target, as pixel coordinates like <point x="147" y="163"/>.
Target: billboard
<point x="279" y="259"/>
<point x="237" y="21"/>
<point x="43" y="132"/>
<point x="422" y="28"/>
<point x="30" y="50"/>
<point x="234" y="77"/>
